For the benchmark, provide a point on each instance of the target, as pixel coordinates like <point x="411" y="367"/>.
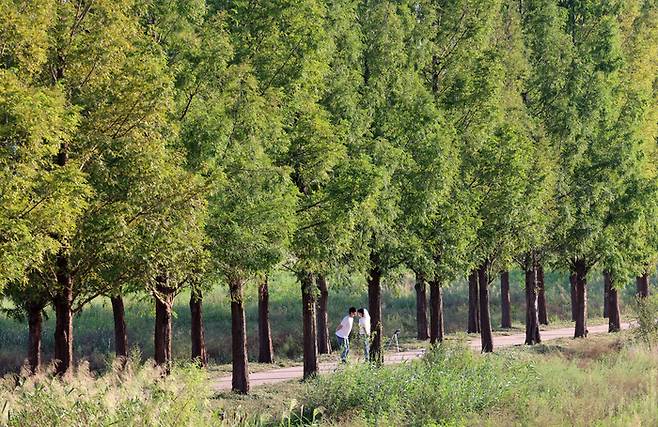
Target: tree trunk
<point x="240" y="380"/>
<point x="581" y="299"/>
<point x="532" y="335"/>
<point x="324" y="339"/>
<point x="541" y="296"/>
<point x="310" y="341"/>
<point x="606" y="294"/>
<point x="473" y="303"/>
<point x="265" y="347"/>
<point x="375" y="308"/>
<point x="642" y="283"/>
<point x="35" y="323"/>
<point x="505" y="304"/>
<point x="63" y="318"/>
<point x="120" y="334"/>
<point x="574" y="298"/>
<point x="485" y="316"/>
<point x="197" y="331"/>
<point x="436" y="312"/>
<point x="614" y="315"/>
<point x="421" y="307"/>
<point x="163" y="333"/>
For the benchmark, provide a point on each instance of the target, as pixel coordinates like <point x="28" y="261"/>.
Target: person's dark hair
<point x="352" y="310"/>
<point x="360" y="311"/>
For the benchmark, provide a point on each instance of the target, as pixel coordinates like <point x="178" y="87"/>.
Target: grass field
<point x="605" y="380"/>
<point x="93" y="327"/>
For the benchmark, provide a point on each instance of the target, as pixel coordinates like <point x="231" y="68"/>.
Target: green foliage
<point x="37" y="202"/>
<point x="202" y="139"/>
<point x="252" y="209"/>
<point x="583" y="55"/>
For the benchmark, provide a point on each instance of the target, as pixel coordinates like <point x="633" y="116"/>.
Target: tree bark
<point x="120" y="334"/>
<point x="310" y="342"/>
<point x="642" y="283"/>
<point x="63" y="302"/>
<point x="197" y="330"/>
<point x="324" y="339"/>
<point x="265" y="347"/>
<point x="240" y="380"/>
<point x="541" y="295"/>
<point x="163" y="332"/>
<point x="375" y="308"/>
<point x="581" y="299"/>
<point x="505" y="303"/>
<point x="473" y="303"/>
<point x="606" y="293"/>
<point x="485" y="317"/>
<point x="614" y="315"/>
<point x="574" y="298"/>
<point x="436" y="312"/>
<point x="421" y="307"/>
<point x="35" y="325"/>
<point x="532" y="335"/>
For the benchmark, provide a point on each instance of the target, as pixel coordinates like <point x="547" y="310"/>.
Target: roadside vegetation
<point x="605" y="380"/>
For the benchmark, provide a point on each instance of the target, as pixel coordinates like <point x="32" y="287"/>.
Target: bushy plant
<point x="446" y="386"/>
<point x="645" y="312"/>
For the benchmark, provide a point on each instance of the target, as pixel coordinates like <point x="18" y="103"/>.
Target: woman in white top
<point x="364" y="332"/>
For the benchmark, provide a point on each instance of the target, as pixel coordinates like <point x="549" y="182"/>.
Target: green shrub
<point x="447" y="386"/>
<point x="645" y="312"/>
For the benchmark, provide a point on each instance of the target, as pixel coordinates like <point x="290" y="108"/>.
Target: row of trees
<point x="149" y="146"/>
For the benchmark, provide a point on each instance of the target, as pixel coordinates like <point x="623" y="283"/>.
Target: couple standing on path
<point x="343" y="332"/>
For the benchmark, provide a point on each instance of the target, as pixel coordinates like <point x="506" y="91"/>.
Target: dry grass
<point x="137" y="395"/>
<point x="599" y="380"/>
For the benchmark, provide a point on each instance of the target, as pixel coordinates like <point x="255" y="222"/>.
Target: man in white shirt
<point x="343" y="333"/>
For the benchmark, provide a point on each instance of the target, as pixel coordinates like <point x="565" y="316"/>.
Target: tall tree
<point x="291" y="46"/>
<point x="408" y="145"/>
<point x="198" y="50"/>
<point x="252" y="211"/>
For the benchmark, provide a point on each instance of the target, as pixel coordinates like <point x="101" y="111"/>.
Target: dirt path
<point x="295" y="372"/>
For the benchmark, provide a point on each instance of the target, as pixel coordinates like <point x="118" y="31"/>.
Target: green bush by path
<point x="597" y="381"/>
<point x="450" y="384"/>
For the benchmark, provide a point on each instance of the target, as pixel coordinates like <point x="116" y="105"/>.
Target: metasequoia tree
<point x="252" y="212"/>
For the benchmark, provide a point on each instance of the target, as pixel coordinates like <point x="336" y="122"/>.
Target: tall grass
<point x="134" y="396"/>
<point x="547" y="386"/>
<point x="645" y="312"/>
<point x="598" y="381"/>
